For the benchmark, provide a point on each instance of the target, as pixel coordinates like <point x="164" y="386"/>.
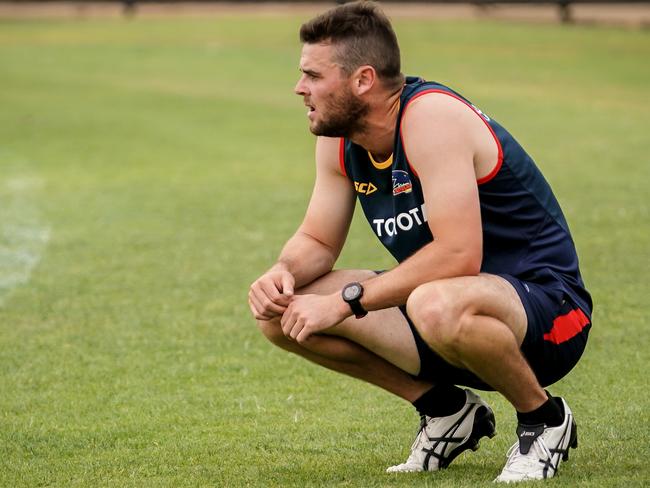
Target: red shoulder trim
<point x="499" y="162"/>
<point x="342" y="156"/>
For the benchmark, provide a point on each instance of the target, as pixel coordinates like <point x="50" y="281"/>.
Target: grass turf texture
<point x="169" y="161"/>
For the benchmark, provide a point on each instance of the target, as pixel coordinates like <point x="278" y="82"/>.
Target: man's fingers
<point x="266" y="304"/>
<point x="262" y="312"/>
<point x="259" y="315"/>
<point x="256" y="313"/>
<point x="296" y="329"/>
<point x="256" y="303"/>
<point x="273" y="308"/>
<point x="303" y="336"/>
<point x="288" y="322"/>
<point x="269" y="288"/>
<point x="288" y="282"/>
<point x="271" y="291"/>
<point x="253" y="309"/>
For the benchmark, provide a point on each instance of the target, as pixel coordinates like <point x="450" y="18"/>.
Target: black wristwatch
<point x="352" y="293"/>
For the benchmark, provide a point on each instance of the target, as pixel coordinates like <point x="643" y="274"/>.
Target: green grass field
<point x="151" y="169"/>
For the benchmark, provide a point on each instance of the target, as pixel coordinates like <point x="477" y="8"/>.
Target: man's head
<point x="346" y="51"/>
<point x="361" y="35"/>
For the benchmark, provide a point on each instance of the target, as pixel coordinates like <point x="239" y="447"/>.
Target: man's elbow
<point x="466" y="262"/>
<point x="472" y="267"/>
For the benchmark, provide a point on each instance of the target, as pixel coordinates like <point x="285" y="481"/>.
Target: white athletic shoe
<point x="540" y="449"/>
<point x="441" y="439"/>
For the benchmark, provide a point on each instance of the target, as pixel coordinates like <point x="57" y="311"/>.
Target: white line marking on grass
<point x="23" y="235"/>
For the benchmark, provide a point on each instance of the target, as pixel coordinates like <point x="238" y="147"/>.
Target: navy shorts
<point x="555" y="339"/>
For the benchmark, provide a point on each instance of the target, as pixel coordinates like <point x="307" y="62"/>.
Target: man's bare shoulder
<point x="438" y="109"/>
<point x="328" y="153"/>
<point x="440" y="126"/>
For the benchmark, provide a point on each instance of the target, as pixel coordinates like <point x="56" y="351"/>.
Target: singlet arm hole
<point x="499" y="162"/>
<point x="342" y="156"/>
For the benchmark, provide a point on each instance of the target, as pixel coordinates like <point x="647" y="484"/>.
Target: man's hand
<point x="310" y="314"/>
<point x="270" y="295"/>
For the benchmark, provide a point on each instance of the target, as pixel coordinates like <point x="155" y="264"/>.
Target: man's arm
<point x="447" y="144"/>
<point x="317" y="243"/>
<point x="314" y="248"/>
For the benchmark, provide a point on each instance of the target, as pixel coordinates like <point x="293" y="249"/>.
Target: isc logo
<point x="364" y="188"/>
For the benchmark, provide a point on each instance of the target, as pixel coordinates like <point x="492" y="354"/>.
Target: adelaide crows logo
<point x="401" y="182"/>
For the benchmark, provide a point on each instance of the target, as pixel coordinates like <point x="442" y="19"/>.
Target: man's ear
<point x="363" y="79"/>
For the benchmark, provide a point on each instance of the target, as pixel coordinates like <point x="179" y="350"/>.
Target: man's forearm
<point x="306" y="258"/>
<point x="432" y="262"/>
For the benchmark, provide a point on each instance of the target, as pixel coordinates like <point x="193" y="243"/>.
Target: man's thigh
<point x="485" y="294"/>
<point x="550" y="329"/>
<point x="385" y="332"/>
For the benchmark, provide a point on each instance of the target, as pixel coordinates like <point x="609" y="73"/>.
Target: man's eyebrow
<point x="309" y="72"/>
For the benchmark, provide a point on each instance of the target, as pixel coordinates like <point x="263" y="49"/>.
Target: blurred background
<point x="153" y="161"/>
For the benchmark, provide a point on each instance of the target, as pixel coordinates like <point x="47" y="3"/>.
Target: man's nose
<point x="300" y="89"/>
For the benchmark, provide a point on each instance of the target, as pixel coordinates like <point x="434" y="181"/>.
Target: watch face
<point x="351" y="291"/>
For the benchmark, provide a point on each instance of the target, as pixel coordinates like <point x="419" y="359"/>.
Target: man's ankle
<point x="441" y="400"/>
<point x="549" y="413"/>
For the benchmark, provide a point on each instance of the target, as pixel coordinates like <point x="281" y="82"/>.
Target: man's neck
<point x="379" y="133"/>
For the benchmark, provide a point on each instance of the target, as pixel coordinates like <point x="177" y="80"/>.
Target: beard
<point x="345" y="116"/>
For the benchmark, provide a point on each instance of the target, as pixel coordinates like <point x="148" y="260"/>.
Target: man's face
<point x="333" y="110"/>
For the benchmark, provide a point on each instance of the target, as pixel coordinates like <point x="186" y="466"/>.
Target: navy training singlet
<point x="525" y="233"/>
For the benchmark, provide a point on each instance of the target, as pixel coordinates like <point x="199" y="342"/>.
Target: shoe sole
<point x="484" y="426"/>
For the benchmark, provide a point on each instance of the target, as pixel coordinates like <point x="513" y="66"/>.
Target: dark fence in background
<point x="130" y="6"/>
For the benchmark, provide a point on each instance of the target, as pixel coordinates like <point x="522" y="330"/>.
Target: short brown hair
<point x="361" y="34"/>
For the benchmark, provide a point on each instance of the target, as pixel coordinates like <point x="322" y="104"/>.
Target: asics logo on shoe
<point x="527" y="435"/>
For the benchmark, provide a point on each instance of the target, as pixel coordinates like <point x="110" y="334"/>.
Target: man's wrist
<point x="280" y="266"/>
<point x="341" y="306"/>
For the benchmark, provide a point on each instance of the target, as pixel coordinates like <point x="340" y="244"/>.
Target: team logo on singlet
<point x="364" y="188"/>
<point x="401" y="182"/>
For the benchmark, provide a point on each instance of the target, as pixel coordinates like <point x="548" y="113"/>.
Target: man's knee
<point x="272" y="330"/>
<point x="437" y="315"/>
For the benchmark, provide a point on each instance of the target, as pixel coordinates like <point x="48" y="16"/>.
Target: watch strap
<point x="357" y="308"/>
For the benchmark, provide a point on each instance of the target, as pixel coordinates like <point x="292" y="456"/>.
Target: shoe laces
<point x="523" y="463"/>
<point x="420" y="438"/>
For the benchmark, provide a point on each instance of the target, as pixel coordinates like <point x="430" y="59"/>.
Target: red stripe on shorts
<point x="567" y="326"/>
